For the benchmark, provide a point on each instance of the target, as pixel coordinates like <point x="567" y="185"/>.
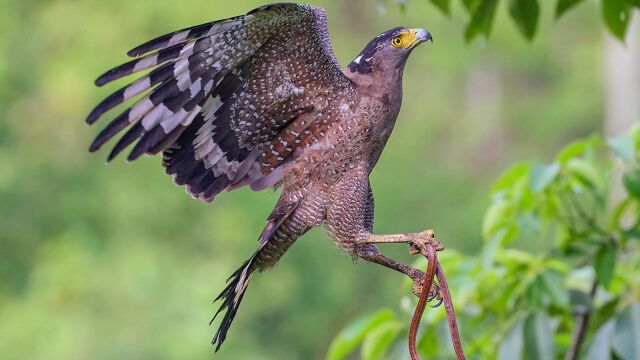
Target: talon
<point x="441" y="300"/>
<point x="436" y="293"/>
<point x="436" y="244"/>
<point x="426" y="237"/>
<point x="429" y="237"/>
<point x="413" y="249"/>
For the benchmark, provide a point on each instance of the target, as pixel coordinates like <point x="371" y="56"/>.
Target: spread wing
<point x="228" y="102"/>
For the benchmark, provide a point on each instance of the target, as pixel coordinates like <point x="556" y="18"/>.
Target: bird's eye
<point x="396" y="41"/>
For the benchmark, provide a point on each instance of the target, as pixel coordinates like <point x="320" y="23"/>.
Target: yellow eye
<point x="396" y="41"/>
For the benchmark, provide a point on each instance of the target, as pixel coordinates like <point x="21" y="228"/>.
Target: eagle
<point x="260" y="100"/>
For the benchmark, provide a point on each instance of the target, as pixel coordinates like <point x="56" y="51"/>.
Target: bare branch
<point x="428" y="249"/>
<point x="582" y="321"/>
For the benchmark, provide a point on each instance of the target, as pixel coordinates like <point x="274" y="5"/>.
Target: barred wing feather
<point x="222" y="96"/>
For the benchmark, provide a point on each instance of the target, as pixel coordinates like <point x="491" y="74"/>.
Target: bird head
<point x="389" y="49"/>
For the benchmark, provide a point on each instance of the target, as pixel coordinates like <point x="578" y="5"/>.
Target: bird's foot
<point x="434" y="293"/>
<point x="418" y="244"/>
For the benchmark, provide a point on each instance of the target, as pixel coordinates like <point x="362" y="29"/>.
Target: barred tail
<point x="231" y="297"/>
<point x="273" y="244"/>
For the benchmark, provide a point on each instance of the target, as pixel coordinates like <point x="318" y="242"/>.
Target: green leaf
<point x="512" y="344"/>
<point x="624" y="146"/>
<point x="635" y="3"/>
<point x="542" y="176"/>
<point x="600" y="348"/>
<point x="349" y="338"/>
<point x="577" y="148"/>
<point x="564" y="5"/>
<point x="512" y="176"/>
<point x="375" y="345"/>
<point x="471" y="5"/>
<point x="489" y="250"/>
<point x="635" y="128"/>
<point x="619" y="212"/>
<point x="631" y="181"/>
<point x="491" y="247"/>
<point x="514" y="258"/>
<point x="525" y="13"/>
<point x="481" y="19"/>
<point x="538" y="338"/>
<point x="586" y="173"/>
<point x="626" y="338"/>
<point x="531" y="295"/>
<point x="616" y="15"/>
<point x="604" y="312"/>
<point x="442" y="5"/>
<point x="605" y="263"/>
<point x="497" y="216"/>
<point x="552" y="283"/>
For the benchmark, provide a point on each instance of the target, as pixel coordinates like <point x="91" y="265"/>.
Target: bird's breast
<point x="356" y="136"/>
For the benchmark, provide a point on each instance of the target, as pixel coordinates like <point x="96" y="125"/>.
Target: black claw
<point x="438" y="304"/>
<point x="434" y="293"/>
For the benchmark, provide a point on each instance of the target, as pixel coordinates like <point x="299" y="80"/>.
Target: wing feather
<point x="187" y="34"/>
<point x="220" y="95"/>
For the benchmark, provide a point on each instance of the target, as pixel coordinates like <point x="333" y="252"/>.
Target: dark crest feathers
<point x="363" y="62"/>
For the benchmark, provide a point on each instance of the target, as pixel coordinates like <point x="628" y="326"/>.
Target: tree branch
<point x="428" y="250"/>
<point x="432" y="258"/>
<point x="451" y="314"/>
<point x="582" y="322"/>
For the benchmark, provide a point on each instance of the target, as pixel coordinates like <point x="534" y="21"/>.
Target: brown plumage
<point x="260" y="100"/>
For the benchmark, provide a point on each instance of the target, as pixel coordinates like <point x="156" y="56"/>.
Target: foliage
<point x="580" y="255"/>
<point x="616" y="15"/>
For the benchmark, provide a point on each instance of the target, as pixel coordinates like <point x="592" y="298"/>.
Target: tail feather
<point x="231" y="298"/>
<point x="265" y="256"/>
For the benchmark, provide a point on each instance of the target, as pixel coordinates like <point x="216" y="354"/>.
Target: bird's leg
<point x="369" y="252"/>
<point x="414" y="239"/>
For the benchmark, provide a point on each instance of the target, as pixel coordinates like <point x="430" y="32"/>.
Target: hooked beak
<point x="422" y="35"/>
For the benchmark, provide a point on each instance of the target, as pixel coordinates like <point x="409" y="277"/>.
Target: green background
<point x="112" y="262"/>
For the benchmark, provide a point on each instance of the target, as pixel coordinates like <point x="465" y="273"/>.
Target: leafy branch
<point x="616" y="15"/>
<point x="557" y="274"/>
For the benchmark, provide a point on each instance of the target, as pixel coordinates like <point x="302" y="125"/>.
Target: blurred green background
<point x="115" y="262"/>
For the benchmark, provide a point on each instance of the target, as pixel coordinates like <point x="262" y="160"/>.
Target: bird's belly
<point x="321" y="164"/>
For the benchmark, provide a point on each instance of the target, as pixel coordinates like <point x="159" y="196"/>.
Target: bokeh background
<point x="115" y="262"/>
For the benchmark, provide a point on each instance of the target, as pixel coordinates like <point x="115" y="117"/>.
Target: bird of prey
<point x="260" y="100"/>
